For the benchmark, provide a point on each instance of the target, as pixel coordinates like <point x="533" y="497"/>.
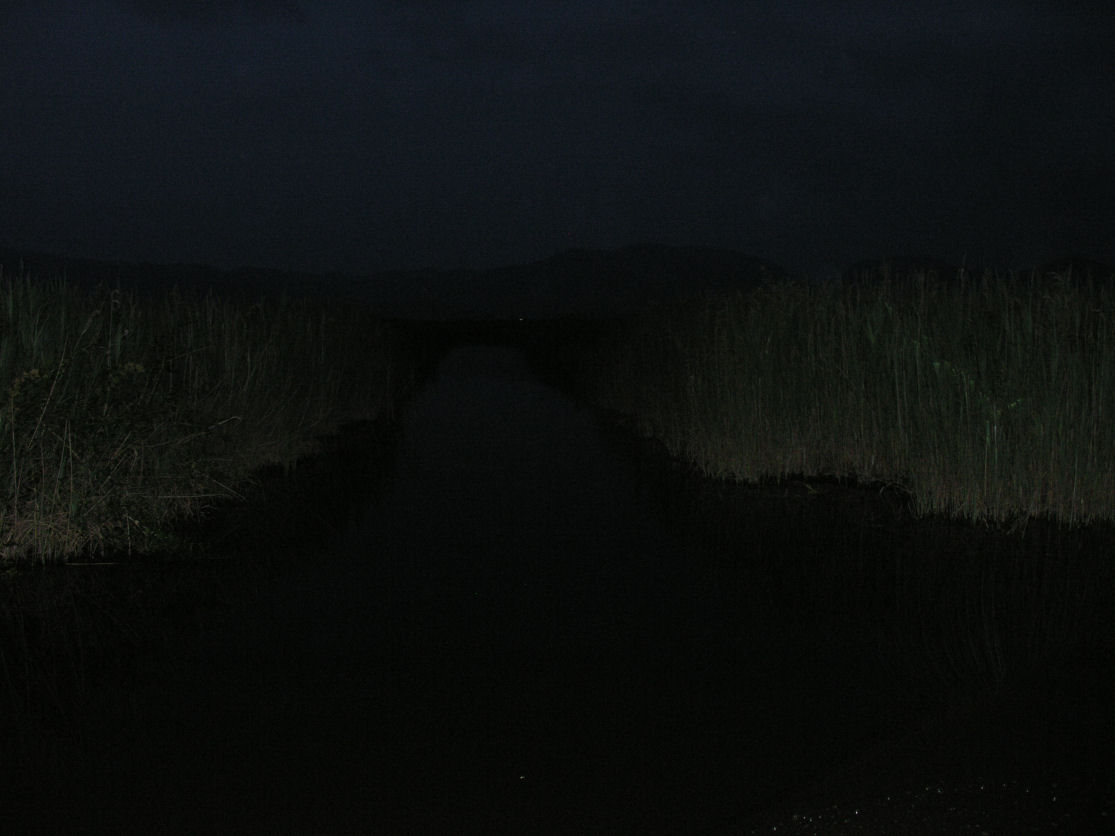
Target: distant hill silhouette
<point x="615" y="282"/>
<point x="1075" y="268"/>
<point x="574" y="283"/>
<point x="143" y="277"/>
<point x="898" y="269"/>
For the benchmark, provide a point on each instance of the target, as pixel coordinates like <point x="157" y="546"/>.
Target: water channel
<point x="516" y="639"/>
<point x="529" y="649"/>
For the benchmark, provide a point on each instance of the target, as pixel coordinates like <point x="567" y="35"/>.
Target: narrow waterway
<point x="512" y="642"/>
<point x="519" y="638"/>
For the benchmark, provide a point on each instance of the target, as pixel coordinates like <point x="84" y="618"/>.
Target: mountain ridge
<point x="571" y="283"/>
<point x="576" y="282"/>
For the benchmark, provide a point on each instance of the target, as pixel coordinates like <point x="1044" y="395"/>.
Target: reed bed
<point x="986" y="399"/>
<point x="121" y="415"/>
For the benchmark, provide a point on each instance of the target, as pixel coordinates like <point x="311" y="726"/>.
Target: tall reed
<point x="986" y="399"/>
<point x="120" y="415"/>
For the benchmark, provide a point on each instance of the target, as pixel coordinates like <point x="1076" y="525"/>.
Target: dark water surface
<point x="532" y="650"/>
<point x="520" y="638"/>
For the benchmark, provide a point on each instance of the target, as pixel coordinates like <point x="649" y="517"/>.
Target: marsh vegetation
<point x="984" y="399"/>
<point x="123" y="415"/>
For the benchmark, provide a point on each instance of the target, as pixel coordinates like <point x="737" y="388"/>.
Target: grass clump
<point x="120" y="416"/>
<point x="985" y="399"/>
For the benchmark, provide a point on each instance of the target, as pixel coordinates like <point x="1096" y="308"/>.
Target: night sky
<point x="368" y="136"/>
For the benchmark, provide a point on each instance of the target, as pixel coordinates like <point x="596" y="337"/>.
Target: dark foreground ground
<point x="539" y="628"/>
